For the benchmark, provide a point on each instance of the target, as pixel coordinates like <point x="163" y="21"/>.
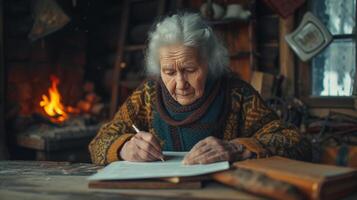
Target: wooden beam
<point x="119" y="59"/>
<point x="287" y="68"/>
<point x="252" y="37"/>
<point x="119" y="65"/>
<point x="3" y="148"/>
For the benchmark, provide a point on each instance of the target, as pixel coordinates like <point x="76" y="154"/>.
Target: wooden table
<point x="41" y="180"/>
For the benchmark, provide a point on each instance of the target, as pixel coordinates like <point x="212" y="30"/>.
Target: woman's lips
<point x="183" y="94"/>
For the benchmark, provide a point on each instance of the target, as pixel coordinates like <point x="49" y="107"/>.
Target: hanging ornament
<point x="309" y="38"/>
<point x="49" y="17"/>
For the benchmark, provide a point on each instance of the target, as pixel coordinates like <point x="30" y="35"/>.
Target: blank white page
<point x="171" y="167"/>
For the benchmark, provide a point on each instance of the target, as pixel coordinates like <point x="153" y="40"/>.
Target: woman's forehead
<point x="177" y="52"/>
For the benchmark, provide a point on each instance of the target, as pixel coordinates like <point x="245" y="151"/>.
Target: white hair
<point x="190" y="30"/>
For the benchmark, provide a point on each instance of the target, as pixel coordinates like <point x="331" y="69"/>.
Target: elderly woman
<point x="193" y="104"/>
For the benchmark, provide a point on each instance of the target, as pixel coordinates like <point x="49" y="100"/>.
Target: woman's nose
<point x="181" y="82"/>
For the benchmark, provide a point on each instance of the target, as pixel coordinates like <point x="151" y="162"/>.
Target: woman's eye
<point x="190" y="70"/>
<point x="170" y="73"/>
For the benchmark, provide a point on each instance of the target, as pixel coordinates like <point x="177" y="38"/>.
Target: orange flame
<point x="52" y="105"/>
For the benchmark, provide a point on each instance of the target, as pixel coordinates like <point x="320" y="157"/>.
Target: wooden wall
<point x="239" y="37"/>
<point x="267" y="39"/>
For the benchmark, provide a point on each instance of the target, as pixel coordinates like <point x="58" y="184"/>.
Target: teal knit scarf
<point x="181" y="127"/>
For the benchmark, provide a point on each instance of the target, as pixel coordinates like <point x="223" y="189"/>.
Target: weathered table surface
<point x="62" y="180"/>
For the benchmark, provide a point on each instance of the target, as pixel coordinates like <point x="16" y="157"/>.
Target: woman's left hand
<point x="211" y="150"/>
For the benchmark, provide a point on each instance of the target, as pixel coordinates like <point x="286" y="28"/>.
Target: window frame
<point x="305" y="76"/>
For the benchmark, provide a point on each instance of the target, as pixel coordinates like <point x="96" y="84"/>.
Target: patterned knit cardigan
<point x="248" y="118"/>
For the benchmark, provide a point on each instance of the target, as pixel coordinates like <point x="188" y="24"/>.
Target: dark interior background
<point x="83" y="55"/>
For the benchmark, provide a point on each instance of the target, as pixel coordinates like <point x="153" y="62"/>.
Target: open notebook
<point x="172" y="167"/>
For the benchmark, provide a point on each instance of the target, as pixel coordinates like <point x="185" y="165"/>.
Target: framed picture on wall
<point x="309" y="38"/>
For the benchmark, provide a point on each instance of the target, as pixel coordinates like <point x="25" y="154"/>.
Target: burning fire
<point x="52" y="105"/>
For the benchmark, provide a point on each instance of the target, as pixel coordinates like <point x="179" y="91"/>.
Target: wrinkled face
<point x="182" y="73"/>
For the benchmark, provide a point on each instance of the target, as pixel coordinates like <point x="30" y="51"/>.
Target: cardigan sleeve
<point x="105" y="146"/>
<point x="266" y="135"/>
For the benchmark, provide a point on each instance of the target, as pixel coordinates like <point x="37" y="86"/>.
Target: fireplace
<point x="57" y="83"/>
<point x="59" y="61"/>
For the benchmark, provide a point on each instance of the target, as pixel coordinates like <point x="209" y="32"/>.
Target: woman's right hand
<point x="142" y="147"/>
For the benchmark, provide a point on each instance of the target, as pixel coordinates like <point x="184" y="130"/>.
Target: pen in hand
<point x="137" y="131"/>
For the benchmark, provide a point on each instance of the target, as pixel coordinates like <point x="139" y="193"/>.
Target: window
<point x="333" y="70"/>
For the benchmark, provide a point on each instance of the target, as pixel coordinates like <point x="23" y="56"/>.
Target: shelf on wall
<point x="227" y="21"/>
